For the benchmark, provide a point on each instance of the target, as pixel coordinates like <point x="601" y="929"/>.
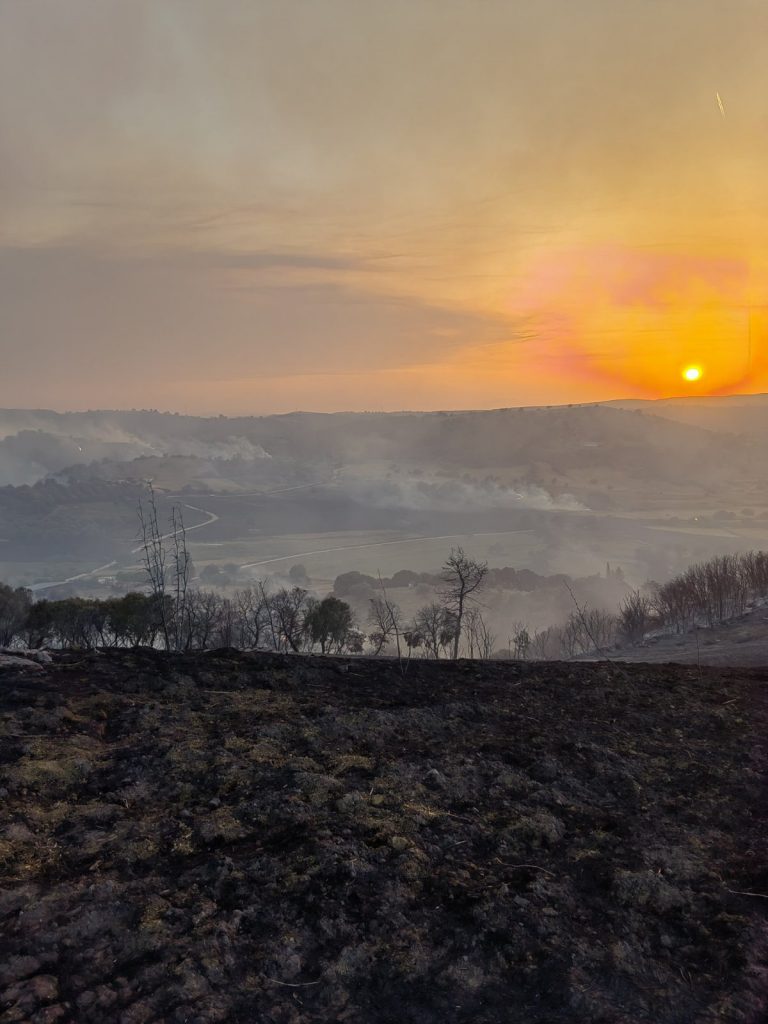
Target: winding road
<point x="377" y="544"/>
<point x="212" y="517"/>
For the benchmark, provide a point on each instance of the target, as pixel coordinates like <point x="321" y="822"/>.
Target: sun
<point x="692" y="373"/>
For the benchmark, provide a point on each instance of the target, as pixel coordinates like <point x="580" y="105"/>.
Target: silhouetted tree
<point x="481" y="640"/>
<point x="462" y="577"/>
<point x="38" y="629"/>
<point x="519" y="642"/>
<point x="386" y="617"/>
<point x="328" y="623"/>
<point x="14" y="609"/>
<point x="435" y="625"/>
<point x="167" y="580"/>
<point x="287" y="609"/>
<point x="635" y="616"/>
<point x="135" y="620"/>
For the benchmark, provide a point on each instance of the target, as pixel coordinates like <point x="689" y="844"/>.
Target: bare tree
<point x="588" y="630"/>
<point x="413" y="640"/>
<point x="519" y="641"/>
<point x="435" y="625"/>
<point x="271" y="616"/>
<point x="197" y="622"/>
<point x="481" y="640"/>
<point x="573" y="636"/>
<point x="386" y="618"/>
<point x="288" y="608"/>
<point x="547" y="644"/>
<point x="713" y="591"/>
<point x="181" y="565"/>
<point x="153" y="559"/>
<point x="674" y="604"/>
<point x="168" y="584"/>
<point x="14" y="611"/>
<point x="250" y="617"/>
<point x="463" y="578"/>
<point x="754" y="568"/>
<point x="635" y="616"/>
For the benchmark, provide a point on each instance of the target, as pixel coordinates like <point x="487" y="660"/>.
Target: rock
<point x="435" y="779"/>
<point x="105" y="996"/>
<point x="349" y="803"/>
<point x="17" y="832"/>
<point x="44" y="987"/>
<point x="644" y="888"/>
<point x="14" y="661"/>
<point x="50" y="1014"/>
<point x="86" y="999"/>
<point x="16" y="968"/>
<point x="545" y="770"/>
<point x="28" y="995"/>
<point x="543" y="828"/>
<point x="139" y="1012"/>
<point x="40" y="657"/>
<point x="399" y="843"/>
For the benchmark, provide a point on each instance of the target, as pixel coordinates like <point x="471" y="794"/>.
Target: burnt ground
<point x="255" y="838"/>
<point x="741" y="641"/>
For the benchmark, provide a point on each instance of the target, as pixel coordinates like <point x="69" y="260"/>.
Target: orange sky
<point x="263" y="206"/>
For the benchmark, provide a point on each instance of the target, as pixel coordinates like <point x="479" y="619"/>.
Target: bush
<point x="14" y="609"/>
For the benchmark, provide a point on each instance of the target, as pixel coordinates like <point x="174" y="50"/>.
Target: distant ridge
<point x="737" y="399"/>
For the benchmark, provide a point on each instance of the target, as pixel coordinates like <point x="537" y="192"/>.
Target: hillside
<point x="734" y="414"/>
<point x="742" y="641"/>
<point x="557" y="447"/>
<point x="234" y="837"/>
<point x="563" y="489"/>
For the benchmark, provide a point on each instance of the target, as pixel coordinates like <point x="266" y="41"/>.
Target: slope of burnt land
<point x="255" y="838"/>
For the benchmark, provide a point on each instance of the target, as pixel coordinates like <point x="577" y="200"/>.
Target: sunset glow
<point x="692" y="373"/>
<point x="566" y="215"/>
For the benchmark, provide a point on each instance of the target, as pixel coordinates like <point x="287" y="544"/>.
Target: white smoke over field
<point x="452" y="495"/>
<point x="231" y="448"/>
<point x="31" y="453"/>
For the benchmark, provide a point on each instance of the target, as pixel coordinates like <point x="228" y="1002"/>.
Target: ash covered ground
<point x="257" y="838"/>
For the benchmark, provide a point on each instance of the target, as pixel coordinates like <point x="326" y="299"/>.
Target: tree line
<point x="287" y="620"/>
<point x="174" y="615"/>
<point x="177" y="616"/>
<point x="705" y="594"/>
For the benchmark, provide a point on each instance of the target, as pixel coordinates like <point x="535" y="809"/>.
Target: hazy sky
<point x="263" y="205"/>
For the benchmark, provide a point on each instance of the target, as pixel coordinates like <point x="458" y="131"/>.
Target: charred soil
<point x="256" y="838"/>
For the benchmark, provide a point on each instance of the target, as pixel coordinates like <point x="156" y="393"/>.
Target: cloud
<point x="112" y="329"/>
<point x="192" y="188"/>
